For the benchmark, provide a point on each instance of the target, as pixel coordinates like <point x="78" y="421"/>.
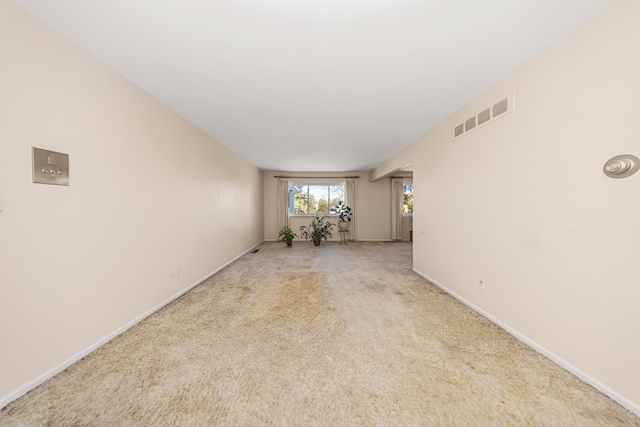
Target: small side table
<point x="344" y="234"/>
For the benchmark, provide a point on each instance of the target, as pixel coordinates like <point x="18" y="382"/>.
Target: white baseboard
<point x="540" y="349"/>
<point x="5" y="400"/>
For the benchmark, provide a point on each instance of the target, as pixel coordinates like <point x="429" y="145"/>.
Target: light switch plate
<point x="50" y="167"/>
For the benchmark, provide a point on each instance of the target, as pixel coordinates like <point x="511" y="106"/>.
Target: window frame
<point x="309" y="183"/>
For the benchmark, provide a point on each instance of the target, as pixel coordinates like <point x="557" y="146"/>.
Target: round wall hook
<point x="621" y="166"/>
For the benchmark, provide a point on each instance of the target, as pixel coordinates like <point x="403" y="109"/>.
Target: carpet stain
<point x="245" y="291"/>
<point x="376" y="287"/>
<point x="291" y="300"/>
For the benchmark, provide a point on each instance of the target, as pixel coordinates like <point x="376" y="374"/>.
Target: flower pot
<point x="317" y="242"/>
<point x="343" y="225"/>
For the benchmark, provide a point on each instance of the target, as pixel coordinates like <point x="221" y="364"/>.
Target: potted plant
<point x="287" y="235"/>
<point x="320" y="228"/>
<point x="344" y="215"/>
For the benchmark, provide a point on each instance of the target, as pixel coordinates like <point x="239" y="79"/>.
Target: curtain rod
<point x="398" y="177"/>
<point x="314" y="177"/>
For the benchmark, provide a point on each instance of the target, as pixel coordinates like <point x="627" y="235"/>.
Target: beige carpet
<point x="316" y="336"/>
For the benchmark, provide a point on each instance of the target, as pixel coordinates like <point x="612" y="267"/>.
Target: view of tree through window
<point x="407" y="203"/>
<point x="312" y="199"/>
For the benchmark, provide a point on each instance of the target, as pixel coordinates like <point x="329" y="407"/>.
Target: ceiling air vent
<point x="500" y="108"/>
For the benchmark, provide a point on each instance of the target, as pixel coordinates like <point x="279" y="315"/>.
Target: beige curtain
<point x="282" y="204"/>
<point x="350" y="186"/>
<point x="397" y="194"/>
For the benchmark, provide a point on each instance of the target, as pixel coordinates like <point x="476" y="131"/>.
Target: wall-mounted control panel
<point x="50" y="167"/>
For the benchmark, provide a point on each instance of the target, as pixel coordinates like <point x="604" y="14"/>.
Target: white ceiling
<point x="314" y="85"/>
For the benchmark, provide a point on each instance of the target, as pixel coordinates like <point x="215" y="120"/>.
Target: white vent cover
<point x="497" y="110"/>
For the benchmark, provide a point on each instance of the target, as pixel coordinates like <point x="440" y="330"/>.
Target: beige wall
<point x="373" y="206"/>
<point x="523" y="205"/>
<point x="150" y="194"/>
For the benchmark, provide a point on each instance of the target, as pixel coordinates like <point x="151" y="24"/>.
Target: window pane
<point x="336" y="195"/>
<point x="407" y="204"/>
<point x="298" y="199"/>
<point x="318" y="199"/>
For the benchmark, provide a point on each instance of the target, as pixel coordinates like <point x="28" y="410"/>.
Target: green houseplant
<point x="344" y="215"/>
<point x="287" y="235"/>
<point x="320" y="228"/>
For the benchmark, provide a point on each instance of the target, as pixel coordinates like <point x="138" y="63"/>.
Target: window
<point x="407" y="200"/>
<point x="313" y="199"/>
